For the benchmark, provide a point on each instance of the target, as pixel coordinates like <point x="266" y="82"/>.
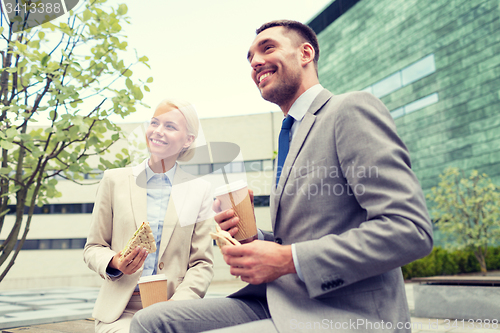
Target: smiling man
<point x="347" y="211"/>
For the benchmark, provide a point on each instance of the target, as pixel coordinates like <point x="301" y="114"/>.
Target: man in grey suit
<point x="347" y="212"/>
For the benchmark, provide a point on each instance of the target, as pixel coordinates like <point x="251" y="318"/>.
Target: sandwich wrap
<point x="143" y="237"/>
<point x="223" y="238"/>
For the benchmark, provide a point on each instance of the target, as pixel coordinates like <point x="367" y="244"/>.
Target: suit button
<point x="161" y="265"/>
<point x="278" y="240"/>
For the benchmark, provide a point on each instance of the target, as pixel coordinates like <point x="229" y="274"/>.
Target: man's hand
<point x="259" y="261"/>
<point x="131" y="263"/>
<point x="227" y="220"/>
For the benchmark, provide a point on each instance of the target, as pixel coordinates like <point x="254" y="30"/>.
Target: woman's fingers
<point x="134" y="260"/>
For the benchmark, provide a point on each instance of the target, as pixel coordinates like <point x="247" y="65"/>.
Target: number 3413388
<point x="33" y="8"/>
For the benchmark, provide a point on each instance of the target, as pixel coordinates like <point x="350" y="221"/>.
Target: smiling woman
<point x="178" y="208"/>
<point x="171" y="132"/>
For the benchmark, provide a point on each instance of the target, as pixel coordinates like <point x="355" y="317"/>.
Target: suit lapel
<point x="138" y="193"/>
<point x="174" y="208"/>
<point x="295" y="147"/>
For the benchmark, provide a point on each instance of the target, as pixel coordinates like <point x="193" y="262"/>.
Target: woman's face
<point x="167" y="133"/>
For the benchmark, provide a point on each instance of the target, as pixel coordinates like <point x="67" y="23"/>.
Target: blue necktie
<point x="283" y="145"/>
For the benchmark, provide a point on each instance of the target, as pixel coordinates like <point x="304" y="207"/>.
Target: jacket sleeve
<point x="97" y="252"/>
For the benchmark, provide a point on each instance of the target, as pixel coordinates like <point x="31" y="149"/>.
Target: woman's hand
<point x="131" y="263"/>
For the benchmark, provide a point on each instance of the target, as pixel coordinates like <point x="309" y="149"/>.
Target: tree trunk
<point x="481" y="257"/>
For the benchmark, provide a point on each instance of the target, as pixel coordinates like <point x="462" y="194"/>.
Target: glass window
<point x="237" y="167"/>
<point x="253" y="166"/>
<point x="399" y="79"/>
<point x="78" y="243"/>
<point x="30" y="244"/>
<point x="191" y="169"/>
<point x="76" y="208"/>
<point x="205" y="169"/>
<point x="44" y="244"/>
<point x="61" y="209"/>
<point x="267" y="165"/>
<point x="89" y="207"/>
<point x="60" y="244"/>
<point x="368" y="89"/>
<point x="398" y="113"/>
<point x="418" y="70"/>
<point x="261" y="201"/>
<point x="421" y="103"/>
<point x="217" y="168"/>
<point x="387" y="85"/>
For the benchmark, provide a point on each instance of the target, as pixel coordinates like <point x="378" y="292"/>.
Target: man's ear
<point x="307" y="54"/>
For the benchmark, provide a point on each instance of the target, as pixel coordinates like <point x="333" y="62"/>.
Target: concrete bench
<point x="457" y="297"/>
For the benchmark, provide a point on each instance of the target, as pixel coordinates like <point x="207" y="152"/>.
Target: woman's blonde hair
<point x="192" y="123"/>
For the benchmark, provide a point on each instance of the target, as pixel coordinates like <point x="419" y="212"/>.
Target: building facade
<point x="434" y="64"/>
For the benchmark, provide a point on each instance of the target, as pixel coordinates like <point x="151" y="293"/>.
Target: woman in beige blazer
<point x="178" y="207"/>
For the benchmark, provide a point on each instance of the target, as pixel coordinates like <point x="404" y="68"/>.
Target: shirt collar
<point x="150" y="173"/>
<point x="303" y="103"/>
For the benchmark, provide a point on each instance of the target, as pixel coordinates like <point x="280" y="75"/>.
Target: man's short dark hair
<point x="301" y="29"/>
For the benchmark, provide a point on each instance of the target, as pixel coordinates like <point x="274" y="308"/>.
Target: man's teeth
<point x="158" y="142"/>
<point x="264" y="76"/>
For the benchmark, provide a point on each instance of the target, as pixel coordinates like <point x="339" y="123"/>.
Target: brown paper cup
<point x="153" y="289"/>
<point x="235" y="195"/>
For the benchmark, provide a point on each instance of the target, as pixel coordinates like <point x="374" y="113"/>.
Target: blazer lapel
<point x="138" y="193"/>
<point x="174" y="209"/>
<point x="295" y="147"/>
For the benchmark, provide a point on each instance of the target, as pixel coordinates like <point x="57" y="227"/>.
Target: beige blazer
<point x="185" y="255"/>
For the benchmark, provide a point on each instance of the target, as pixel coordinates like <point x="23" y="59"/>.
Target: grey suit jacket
<point x="185" y="254"/>
<point x="350" y="202"/>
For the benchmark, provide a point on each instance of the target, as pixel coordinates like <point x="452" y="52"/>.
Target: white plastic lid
<point x="234" y="186"/>
<point x="152" y="278"/>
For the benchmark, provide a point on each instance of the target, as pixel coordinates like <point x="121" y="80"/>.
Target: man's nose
<point x="257" y="60"/>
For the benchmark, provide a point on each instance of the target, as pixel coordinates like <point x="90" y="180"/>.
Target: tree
<point x="468" y="211"/>
<point x="73" y="77"/>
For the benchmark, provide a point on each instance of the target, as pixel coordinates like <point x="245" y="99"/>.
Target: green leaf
<point x="129" y="84"/>
<point x="6" y="144"/>
<point x="5" y="171"/>
<point x="11" y="132"/>
<point x="150" y="79"/>
<point x="122" y="9"/>
<point x="128" y="73"/>
<point x="87" y="15"/>
<point x="147" y="88"/>
<point x="137" y="93"/>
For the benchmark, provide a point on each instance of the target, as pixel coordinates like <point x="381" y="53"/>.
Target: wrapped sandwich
<point x="143" y="237"/>
<point x="223" y="238"/>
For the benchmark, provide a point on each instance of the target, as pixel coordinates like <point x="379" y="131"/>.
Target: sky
<point x="197" y="50"/>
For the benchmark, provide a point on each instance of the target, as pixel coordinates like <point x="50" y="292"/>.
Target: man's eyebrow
<point x="262" y="42"/>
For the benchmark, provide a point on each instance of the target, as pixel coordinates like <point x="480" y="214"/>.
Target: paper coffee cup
<point x="153" y="289"/>
<point x="235" y="195"/>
